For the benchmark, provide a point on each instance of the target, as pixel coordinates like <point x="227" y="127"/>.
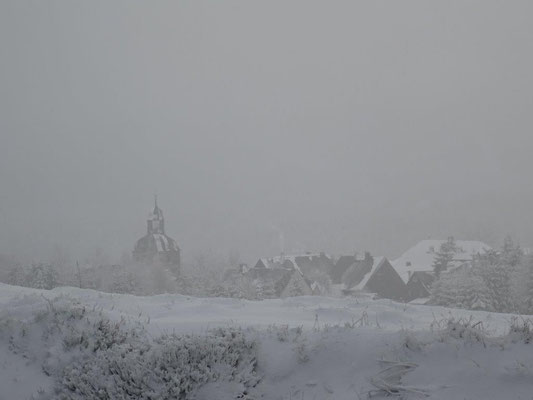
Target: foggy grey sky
<point x="344" y="125"/>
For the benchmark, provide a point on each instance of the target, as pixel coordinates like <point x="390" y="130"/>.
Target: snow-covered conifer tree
<point x="511" y="253"/>
<point x="497" y="278"/>
<point x="444" y="256"/>
<point x="461" y="289"/>
<point x="42" y="276"/>
<point x="525" y="278"/>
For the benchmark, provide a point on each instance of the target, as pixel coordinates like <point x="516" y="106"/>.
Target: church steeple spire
<point x="156" y="222"/>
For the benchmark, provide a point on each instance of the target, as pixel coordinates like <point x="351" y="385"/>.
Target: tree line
<point x="497" y="280"/>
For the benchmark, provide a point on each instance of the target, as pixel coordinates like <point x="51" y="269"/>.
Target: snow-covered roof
<point x="278" y="261"/>
<point x="420" y="257"/>
<point x="271" y="263"/>
<point x="163" y="242"/>
<point x="375" y="266"/>
<point x="157" y="242"/>
<point x="292" y="259"/>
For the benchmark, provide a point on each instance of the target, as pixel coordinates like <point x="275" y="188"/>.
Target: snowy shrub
<point x="410" y="342"/>
<point x="92" y="357"/>
<point x="521" y="330"/>
<point x="462" y="328"/>
<point x="293" y="336"/>
<point x="301" y="351"/>
<point x="282" y="333"/>
<point x="171" y="367"/>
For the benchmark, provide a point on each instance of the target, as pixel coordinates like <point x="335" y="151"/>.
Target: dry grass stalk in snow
<point x="389" y="380"/>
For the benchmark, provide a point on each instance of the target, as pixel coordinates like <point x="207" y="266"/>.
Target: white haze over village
<point x="344" y="126"/>
<point x="266" y="200"/>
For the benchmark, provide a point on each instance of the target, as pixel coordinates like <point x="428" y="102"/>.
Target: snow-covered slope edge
<point x="56" y="344"/>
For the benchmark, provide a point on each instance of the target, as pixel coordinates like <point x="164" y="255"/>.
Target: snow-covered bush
<point x="92" y="357"/>
<point x="465" y="329"/>
<point x="521" y="330"/>
<point x="170" y="367"/>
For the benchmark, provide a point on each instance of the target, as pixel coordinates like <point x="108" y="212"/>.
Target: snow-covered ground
<point x="308" y="347"/>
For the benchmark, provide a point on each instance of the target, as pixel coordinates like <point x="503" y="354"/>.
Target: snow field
<point x="58" y="343"/>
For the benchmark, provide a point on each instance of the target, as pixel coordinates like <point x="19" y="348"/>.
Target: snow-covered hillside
<point x="295" y="348"/>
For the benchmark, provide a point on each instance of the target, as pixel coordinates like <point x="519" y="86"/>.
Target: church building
<point x="156" y="247"/>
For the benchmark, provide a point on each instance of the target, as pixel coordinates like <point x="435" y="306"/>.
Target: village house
<point x="415" y="266"/>
<point x="373" y="275"/>
<point x="292" y="275"/>
<point x="344" y="263"/>
<point x="307" y="264"/>
<point x="277" y="281"/>
<point x="419" y="285"/>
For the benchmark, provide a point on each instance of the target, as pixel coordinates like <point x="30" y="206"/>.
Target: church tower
<point x="156" y="247"/>
<point x="156" y="222"/>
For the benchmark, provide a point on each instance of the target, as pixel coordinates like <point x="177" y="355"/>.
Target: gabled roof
<point x="377" y="276"/>
<point x="276" y="278"/>
<point x="420" y="257"/>
<point x="345" y="262"/>
<point x="267" y="273"/>
<point x="293" y="276"/>
<point x="356" y="272"/>
<point x="316" y="287"/>
<point x="300" y="262"/>
<point x="378" y="261"/>
<point x="422" y="278"/>
<point x="419" y="285"/>
<point x="278" y="271"/>
<point x="358" y="275"/>
<point x="340" y="267"/>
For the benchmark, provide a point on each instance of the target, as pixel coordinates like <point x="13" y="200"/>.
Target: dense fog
<point x="263" y="127"/>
